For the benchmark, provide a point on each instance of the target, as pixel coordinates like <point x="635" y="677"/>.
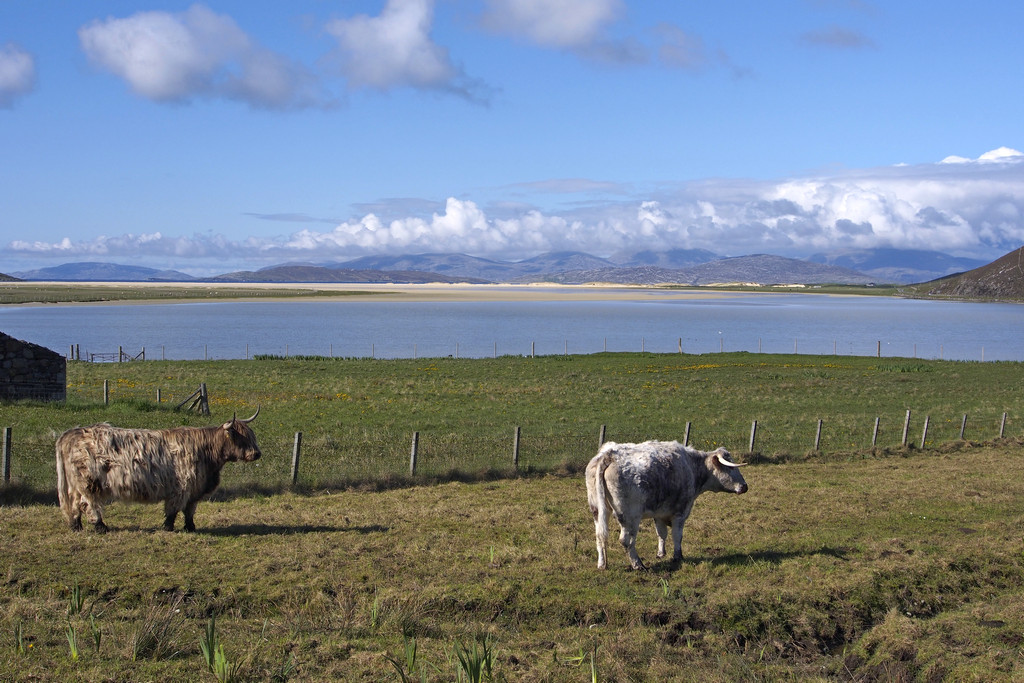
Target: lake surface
<point x="770" y="323"/>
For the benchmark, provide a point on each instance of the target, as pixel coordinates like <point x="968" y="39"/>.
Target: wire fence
<point x="823" y="345"/>
<point x="355" y="456"/>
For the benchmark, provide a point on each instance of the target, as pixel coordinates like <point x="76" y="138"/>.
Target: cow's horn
<point x="729" y="463"/>
<point x="253" y="415"/>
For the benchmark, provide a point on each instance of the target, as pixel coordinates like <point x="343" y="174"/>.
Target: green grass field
<point x="850" y="563"/>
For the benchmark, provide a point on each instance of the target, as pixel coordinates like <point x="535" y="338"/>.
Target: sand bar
<point x="432" y="292"/>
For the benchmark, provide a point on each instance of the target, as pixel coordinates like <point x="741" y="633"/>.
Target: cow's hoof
<point x="76" y="525"/>
<point x="101" y="528"/>
<point x="190" y="528"/>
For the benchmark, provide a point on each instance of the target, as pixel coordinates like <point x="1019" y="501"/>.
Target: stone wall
<point x="31" y="371"/>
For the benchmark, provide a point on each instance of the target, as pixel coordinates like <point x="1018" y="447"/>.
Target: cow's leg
<point x="170" y="514"/>
<point x="677" y="533"/>
<point x="94" y="513"/>
<point x="627" y="537"/>
<point x="677" y="540"/>
<point x="189" y="512"/>
<point x="76" y="505"/>
<point x="661" y="528"/>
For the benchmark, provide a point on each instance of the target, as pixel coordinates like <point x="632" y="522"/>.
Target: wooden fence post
<point x="906" y="428"/>
<point x="686" y="436"/>
<point x="158" y="395"/>
<point x="296" y="449"/>
<point x="924" y="433"/>
<point x="7" y="455"/>
<point x="600" y="437"/>
<point x="413" y="453"/>
<point x="963" y="427"/>
<point x="753" y="435"/>
<point x="817" y="437"/>
<point x="204" y="399"/>
<point x="515" y="449"/>
<point x="874" y="434"/>
<point x="1002" y="426"/>
<point x="106" y="392"/>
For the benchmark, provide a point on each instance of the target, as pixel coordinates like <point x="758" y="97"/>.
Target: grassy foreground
<point x="852" y="563"/>
<point x="889" y="568"/>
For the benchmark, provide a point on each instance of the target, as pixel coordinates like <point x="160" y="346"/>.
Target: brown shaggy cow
<point x="179" y="466"/>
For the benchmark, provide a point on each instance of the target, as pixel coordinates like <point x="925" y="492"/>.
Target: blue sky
<point x="234" y="134"/>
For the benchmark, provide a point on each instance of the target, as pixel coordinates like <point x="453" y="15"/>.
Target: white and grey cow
<point x="654" y="479"/>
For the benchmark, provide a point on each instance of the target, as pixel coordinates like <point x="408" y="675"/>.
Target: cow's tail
<point x="597" y="498"/>
<point x="63" y="495"/>
<point x="596" y="491"/>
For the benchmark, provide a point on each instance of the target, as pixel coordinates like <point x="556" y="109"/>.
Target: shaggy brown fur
<point x="180" y="466"/>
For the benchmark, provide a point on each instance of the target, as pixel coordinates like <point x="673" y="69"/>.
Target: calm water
<point x="772" y="323"/>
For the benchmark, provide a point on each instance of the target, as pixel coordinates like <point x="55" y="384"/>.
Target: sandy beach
<point x="505" y="292"/>
<point x="436" y="292"/>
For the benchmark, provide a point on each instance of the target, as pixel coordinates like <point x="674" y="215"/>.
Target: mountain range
<point x="682" y="266"/>
<point x="1001" y="280"/>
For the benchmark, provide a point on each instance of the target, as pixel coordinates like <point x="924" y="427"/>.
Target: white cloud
<point x="971" y="209"/>
<point x="17" y="74"/>
<point x="552" y="23"/>
<point x="171" y="57"/>
<point x="142" y="248"/>
<point x="394" y="49"/>
<point x="1000" y="155"/>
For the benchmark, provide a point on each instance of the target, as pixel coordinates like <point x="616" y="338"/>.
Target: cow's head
<point x="725" y="472"/>
<point x="241" y="439"/>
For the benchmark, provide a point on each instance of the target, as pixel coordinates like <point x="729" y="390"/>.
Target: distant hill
<point x="303" y="273"/>
<point x="462" y="265"/>
<point x="453" y="265"/>
<point x="683" y="266"/>
<point x="1002" y="280"/>
<point x="103" y="272"/>
<point x="764" y="269"/>
<point x="770" y="269"/>
<point x="669" y="258"/>
<point x="7" y="278"/>
<point x="901" y="266"/>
